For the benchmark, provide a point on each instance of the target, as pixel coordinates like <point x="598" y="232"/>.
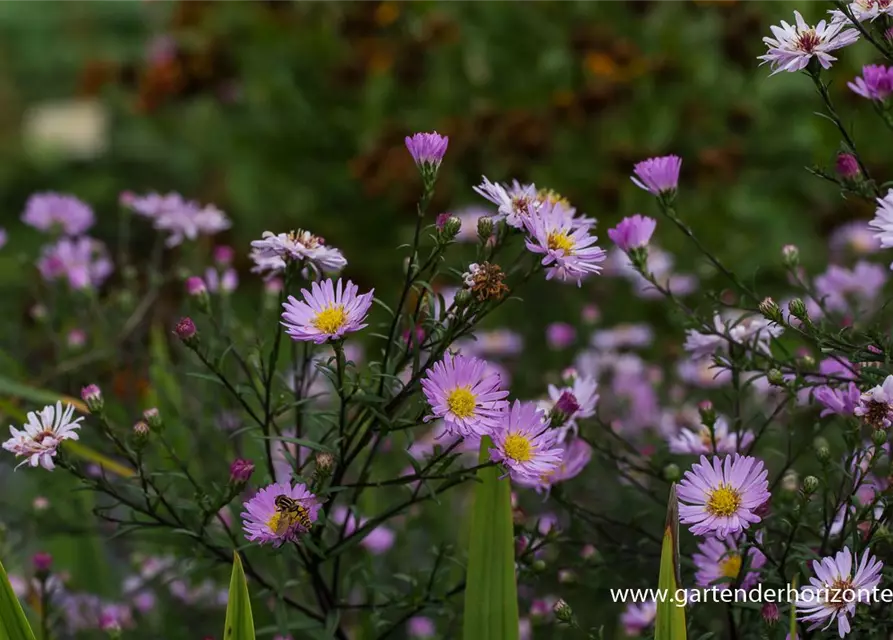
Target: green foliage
<point x="670" y="622"/>
<point x="13" y="623"/>
<point x="239" y="621"/>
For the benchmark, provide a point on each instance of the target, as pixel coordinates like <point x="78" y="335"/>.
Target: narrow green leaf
<point x="670" y="622"/>
<point x="13" y="623"/>
<point x="793" y="629"/>
<point x="491" y="594"/>
<point x="239" y="621"/>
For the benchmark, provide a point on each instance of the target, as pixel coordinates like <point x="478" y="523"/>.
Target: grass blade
<point x="670" y="622"/>
<point x="13" y="623"/>
<point x="491" y="594"/>
<point x="239" y="621"/>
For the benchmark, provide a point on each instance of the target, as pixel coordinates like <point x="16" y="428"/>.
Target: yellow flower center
<point x="517" y="447"/>
<point x="731" y="566"/>
<point x="462" y="402"/>
<point x="553" y="197"/>
<point x="723" y="501"/>
<point x="330" y="319"/>
<point x="560" y="240"/>
<point x="839" y="594"/>
<point x="277" y="521"/>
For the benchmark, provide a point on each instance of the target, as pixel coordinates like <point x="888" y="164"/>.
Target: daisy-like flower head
<point x="658" y="176"/>
<point x="568" y="250"/>
<point x="83" y="261"/>
<point x="273" y="251"/>
<point x="575" y="455"/>
<point x="837" y="587"/>
<point x="699" y="441"/>
<point x="875" y="83"/>
<point x="42" y="434"/>
<point x="723" y="559"/>
<point x="182" y="219"/>
<point x="427" y="151"/>
<point x="633" y="232"/>
<point x="876" y="405"/>
<point x="862" y="10"/>
<point x="514" y="202"/>
<point x="468" y="397"/>
<point x="882" y="223"/>
<point x="637" y="617"/>
<point x="795" y="45"/>
<point x="264" y="521"/>
<point x="327" y="312"/>
<point x="47" y="211"/>
<point x="838" y="400"/>
<point x="523" y="442"/>
<point x="584" y="390"/>
<point x="721" y="497"/>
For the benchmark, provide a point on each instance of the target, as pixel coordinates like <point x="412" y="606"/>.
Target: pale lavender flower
<point x="721" y="498"/>
<point x="638" y="617"/>
<point x="722" y="559"/>
<point x="41" y="435"/>
<point x="633" y="232"/>
<point x="221" y="282"/>
<point x="584" y="390"/>
<point x="182" y="219"/>
<point x="83" y="262"/>
<point x="842" y="401"/>
<point x="837" y="587"/>
<point x="575" y="455"/>
<point x="862" y="10"/>
<point x="76" y="338"/>
<point x="378" y="540"/>
<point x="495" y="342"/>
<point x="622" y="336"/>
<point x="48" y="211"/>
<point x="843" y="290"/>
<point x="698" y="440"/>
<point x="660" y="265"/>
<point x="856" y="237"/>
<point x="658" y="175"/>
<point x="568" y="250"/>
<point x="263" y="522"/>
<point x="560" y="335"/>
<point x="523" y="443"/>
<point x="514" y="203"/>
<point x="427" y="149"/>
<point x="876" y="405"/>
<point x="274" y="251"/>
<point x="421" y="627"/>
<point x="3" y="238"/>
<point x="795" y="45"/>
<point x="875" y="83"/>
<point x="462" y="392"/>
<point x="327" y="312"/>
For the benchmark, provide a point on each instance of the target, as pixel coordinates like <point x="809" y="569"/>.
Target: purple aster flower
<point x="3" y="238"/>
<point x="379" y="540"/>
<point x="658" y="175"/>
<point x="847" y="166"/>
<point x="876" y="405"/>
<point x="48" y="211"/>
<point x="182" y="219"/>
<point x="240" y="471"/>
<point x="882" y="222"/>
<point x="722" y="559"/>
<point x="327" y="312"/>
<point x="794" y="46"/>
<point x="633" y="232"/>
<point x="427" y="149"/>
<point x="225" y="281"/>
<point x="876" y="82"/>
<point x="560" y="335"/>
<point x="862" y="10"/>
<point x="523" y="442"/>
<point x="83" y="262"/>
<point x="855" y="236"/>
<point x="514" y="202"/>
<point x="568" y="250"/>
<point x="721" y="498"/>
<point x="837" y="587"/>
<point x="462" y="392"/>
<point x="421" y="627"/>
<point x="272" y="252"/>
<point x="698" y="440"/>
<point x="845" y="290"/>
<point x="41" y="435"/>
<point x="223" y="255"/>
<point x="264" y="522"/>
<point x="575" y="455"/>
<point x="637" y="617"/>
<point x="496" y="342"/>
<point x="842" y="401"/>
<point x="584" y="391"/>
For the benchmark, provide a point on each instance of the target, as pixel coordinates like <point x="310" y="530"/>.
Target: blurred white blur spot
<point x="75" y="129"/>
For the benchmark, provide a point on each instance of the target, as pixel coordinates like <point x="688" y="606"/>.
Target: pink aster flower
<point x="658" y="175"/>
<point x="560" y="335"/>
<point x="794" y="46"/>
<point x="514" y="203"/>
<point x="523" y="442"/>
<point x="273" y="251"/>
<point x="48" y="211"/>
<point x="722" y="559"/>
<point x="837" y="587"/>
<point x="876" y="405"/>
<point x="575" y="455"/>
<point x="263" y="522"/>
<point x="225" y="281"/>
<point x="427" y="149"/>
<point x="568" y="250"/>
<point x="637" y="617"/>
<point x="583" y="390"/>
<point x="721" y="498"/>
<point x="421" y="627"/>
<point x="182" y="219"/>
<point x="377" y="541"/>
<point x="462" y="392"/>
<point x="83" y="262"/>
<point x="698" y="440"/>
<point x="843" y="290"/>
<point x="42" y="434"/>
<point x="327" y="312"/>
<point x="633" y="232"/>
<point x="856" y="237"/>
<point x="875" y="83"/>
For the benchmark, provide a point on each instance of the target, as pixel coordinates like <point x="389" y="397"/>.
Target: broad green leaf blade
<point x="239" y="621"/>
<point x="491" y="594"/>
<point x="670" y="622"/>
<point x="13" y="623"/>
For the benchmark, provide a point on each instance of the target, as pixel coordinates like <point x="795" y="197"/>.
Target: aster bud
<point x="879" y="437"/>
<point x="538" y="566"/>
<point x="463" y="297"/>
<point x="707" y="413"/>
<point x="806" y="362"/>
<point x="325" y="463"/>
<point x="770" y="613"/>
<point x="847" y="166"/>
<point x="790" y="255"/>
<point x="775" y="378"/>
<point x="810" y="484"/>
<point x="672" y="473"/>
<point x="223" y="255"/>
<point x="563" y="612"/>
<point x="448" y="227"/>
<point x="42" y="561"/>
<point x="240" y="471"/>
<point x="109" y="623"/>
<point x="485" y="228"/>
<point x="790" y="481"/>
<point x="822" y="449"/>
<point x="153" y="419"/>
<point x="140" y="434"/>
<point x="187" y="332"/>
<point x="92" y="397"/>
<point x="588" y="552"/>
<point x="798" y="309"/>
<point x="771" y="311"/>
<point x="564" y="408"/>
<point x="197" y="290"/>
